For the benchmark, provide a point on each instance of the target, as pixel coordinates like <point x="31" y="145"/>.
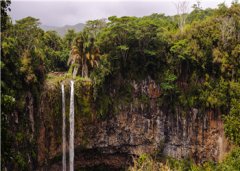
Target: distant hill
<point x="63" y="30"/>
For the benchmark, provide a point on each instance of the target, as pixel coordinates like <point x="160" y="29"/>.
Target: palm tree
<point x="93" y="54"/>
<point x="84" y="54"/>
<point x="74" y="59"/>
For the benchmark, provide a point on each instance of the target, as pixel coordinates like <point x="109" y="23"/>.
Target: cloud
<point x="59" y="13"/>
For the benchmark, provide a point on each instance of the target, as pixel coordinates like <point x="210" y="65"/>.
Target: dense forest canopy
<point x="197" y="67"/>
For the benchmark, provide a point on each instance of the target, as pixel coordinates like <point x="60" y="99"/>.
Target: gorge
<point x="131" y="93"/>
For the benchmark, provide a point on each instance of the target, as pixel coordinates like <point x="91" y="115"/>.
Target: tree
<point x="182" y="8"/>
<point x="4" y="16"/>
<point x="93" y="27"/>
<point x="69" y="37"/>
<point x="197" y="6"/>
<point x="23" y="72"/>
<point x="84" y="54"/>
<point x="28" y="36"/>
<point x="55" y="54"/>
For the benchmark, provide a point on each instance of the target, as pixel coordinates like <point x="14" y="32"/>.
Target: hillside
<point x="63" y="30"/>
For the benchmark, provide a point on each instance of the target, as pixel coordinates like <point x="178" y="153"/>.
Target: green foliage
<point x="198" y="59"/>
<point x="85" y="54"/>
<point x="5" y="19"/>
<point x="83" y="97"/>
<point x="68" y="38"/>
<point x="100" y="73"/>
<point x="232" y="120"/>
<point x="231" y="163"/>
<point x="198" y="14"/>
<point x="22" y="70"/>
<point x="21" y="161"/>
<point x="56" y="55"/>
<point x="232" y="128"/>
<point x="168" y="81"/>
<point x="147" y="162"/>
<point x="180" y="165"/>
<point x="142" y="158"/>
<point x="198" y="67"/>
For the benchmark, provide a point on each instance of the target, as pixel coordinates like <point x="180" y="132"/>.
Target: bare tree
<point x="182" y="9"/>
<point x="228" y="30"/>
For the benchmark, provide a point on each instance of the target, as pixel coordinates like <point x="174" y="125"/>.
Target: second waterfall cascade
<point x="63" y="129"/>
<point x="71" y="119"/>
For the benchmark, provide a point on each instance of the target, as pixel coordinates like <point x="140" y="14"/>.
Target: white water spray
<point x="71" y="119"/>
<point x="63" y="130"/>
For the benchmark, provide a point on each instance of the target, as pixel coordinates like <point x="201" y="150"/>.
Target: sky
<point x="70" y="12"/>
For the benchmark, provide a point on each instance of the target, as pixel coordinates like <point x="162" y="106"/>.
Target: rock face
<point x="137" y="128"/>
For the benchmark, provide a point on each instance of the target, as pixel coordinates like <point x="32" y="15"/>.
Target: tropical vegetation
<point x="197" y="66"/>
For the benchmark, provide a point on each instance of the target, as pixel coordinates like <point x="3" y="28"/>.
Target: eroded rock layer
<point x="137" y="128"/>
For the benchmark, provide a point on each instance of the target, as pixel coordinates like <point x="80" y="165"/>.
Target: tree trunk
<point x="84" y="69"/>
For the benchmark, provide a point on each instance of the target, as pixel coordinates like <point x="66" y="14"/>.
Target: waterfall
<point x="71" y="119"/>
<point x="63" y="130"/>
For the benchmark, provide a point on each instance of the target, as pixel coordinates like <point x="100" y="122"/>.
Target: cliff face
<point x="137" y="128"/>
